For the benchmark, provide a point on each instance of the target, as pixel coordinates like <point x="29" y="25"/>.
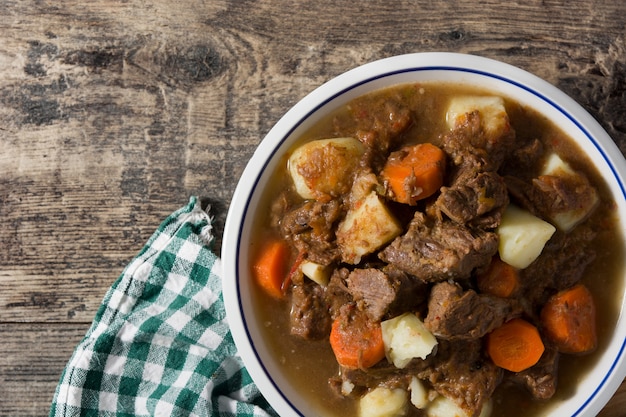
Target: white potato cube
<point x="383" y="402"/>
<point x="406" y="337"/>
<point x="444" y="407"/>
<point x="566" y="220"/>
<point x="494" y="118"/>
<point x="366" y="227"/>
<point x="324" y="167"/>
<point x="316" y="272"/>
<point x="419" y="394"/>
<point x="522" y="236"/>
<point x="347" y="387"/>
<point x="554" y="165"/>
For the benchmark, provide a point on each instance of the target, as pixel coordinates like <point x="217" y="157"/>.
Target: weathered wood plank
<point x="32" y="360"/>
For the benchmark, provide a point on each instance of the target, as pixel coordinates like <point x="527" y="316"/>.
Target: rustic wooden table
<point x="112" y="113"/>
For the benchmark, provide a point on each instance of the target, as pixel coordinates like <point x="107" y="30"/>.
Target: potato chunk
<point x="383" y="402"/>
<point x="419" y="394"/>
<point x="366" y="227"/>
<point x="445" y="407"/>
<point x="554" y="165"/>
<point x="579" y="198"/>
<point x="405" y="337"/>
<point x="315" y="272"/>
<point x="494" y="118"/>
<point x="522" y="236"/>
<point x="324" y="168"/>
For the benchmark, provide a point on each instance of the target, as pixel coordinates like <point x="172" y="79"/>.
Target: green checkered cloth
<point x="160" y="344"/>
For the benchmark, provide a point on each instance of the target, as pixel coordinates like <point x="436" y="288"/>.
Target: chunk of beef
<point x="458" y="370"/>
<point x="521" y="193"/>
<point x="435" y="250"/>
<point x="570" y="193"/>
<point x="378" y="126"/>
<point x="462" y="373"/>
<point x="457" y="314"/>
<point x="337" y="294"/>
<point x="547" y="196"/>
<point x="385" y="292"/>
<point x="388" y="117"/>
<point x="523" y="160"/>
<point x="356" y="382"/>
<point x="561" y="265"/>
<point x="310" y="228"/>
<point x="476" y="194"/>
<point x="540" y="379"/>
<point x="384" y="373"/>
<point x="479" y="201"/>
<point x="471" y="149"/>
<point x="310" y="315"/>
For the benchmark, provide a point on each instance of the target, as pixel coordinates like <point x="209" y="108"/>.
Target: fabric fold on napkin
<point x="160" y="344"/>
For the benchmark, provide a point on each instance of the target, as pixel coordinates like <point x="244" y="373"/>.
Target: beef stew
<point x="366" y="247"/>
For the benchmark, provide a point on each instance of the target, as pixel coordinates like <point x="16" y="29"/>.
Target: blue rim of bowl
<point x="487" y="74"/>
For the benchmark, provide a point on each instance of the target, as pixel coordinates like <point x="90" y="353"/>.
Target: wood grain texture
<point x="112" y="113"/>
<point x="29" y="364"/>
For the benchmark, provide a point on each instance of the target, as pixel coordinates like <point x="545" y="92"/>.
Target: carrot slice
<point x="357" y="343"/>
<point x="415" y="172"/>
<point x="515" y="346"/>
<point x="270" y="268"/>
<point x="569" y="320"/>
<point x="500" y="279"/>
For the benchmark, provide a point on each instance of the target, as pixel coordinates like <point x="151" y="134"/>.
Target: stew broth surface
<point x="308" y="365"/>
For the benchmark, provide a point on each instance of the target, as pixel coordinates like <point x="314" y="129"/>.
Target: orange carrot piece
<point x="515" y="346"/>
<point x="500" y="279"/>
<point x="357" y="343"/>
<point x="415" y="172"/>
<point x="270" y="268"/>
<point x="569" y="320"/>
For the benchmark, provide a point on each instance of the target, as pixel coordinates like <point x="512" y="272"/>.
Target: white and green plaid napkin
<point x="160" y="344"/>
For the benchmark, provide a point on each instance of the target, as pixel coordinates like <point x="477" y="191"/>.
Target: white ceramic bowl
<point x="595" y="390"/>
